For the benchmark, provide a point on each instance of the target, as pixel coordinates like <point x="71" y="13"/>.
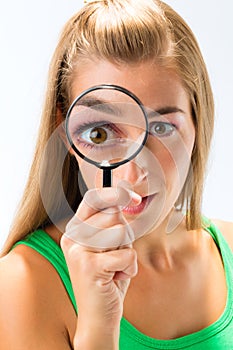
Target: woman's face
<point x="159" y="171"/>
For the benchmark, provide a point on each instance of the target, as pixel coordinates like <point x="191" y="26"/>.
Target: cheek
<point x="167" y="162"/>
<point x="174" y="157"/>
<point x="92" y="176"/>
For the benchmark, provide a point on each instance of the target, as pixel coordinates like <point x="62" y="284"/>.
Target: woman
<point x="168" y="287"/>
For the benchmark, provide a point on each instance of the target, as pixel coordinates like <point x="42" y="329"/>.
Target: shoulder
<point x="28" y="303"/>
<point x="226" y="228"/>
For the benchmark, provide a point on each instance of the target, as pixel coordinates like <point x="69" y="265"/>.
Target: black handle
<point x="107" y="177"/>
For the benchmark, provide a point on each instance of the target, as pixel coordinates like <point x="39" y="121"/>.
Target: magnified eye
<point x="161" y="129"/>
<point x="99" y="135"/>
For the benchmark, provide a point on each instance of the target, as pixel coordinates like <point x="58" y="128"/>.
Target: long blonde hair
<point x="128" y="31"/>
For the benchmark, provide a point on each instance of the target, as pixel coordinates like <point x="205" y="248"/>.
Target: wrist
<point x="95" y="342"/>
<point x="96" y="338"/>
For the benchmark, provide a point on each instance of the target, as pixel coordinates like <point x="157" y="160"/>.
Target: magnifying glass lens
<point x="106" y="126"/>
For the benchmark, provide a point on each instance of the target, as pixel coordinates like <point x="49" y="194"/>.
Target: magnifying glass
<point x="107" y="125"/>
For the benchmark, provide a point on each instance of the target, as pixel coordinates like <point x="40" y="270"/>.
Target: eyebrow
<point x="97" y="103"/>
<point x="110" y="107"/>
<point x="164" y="110"/>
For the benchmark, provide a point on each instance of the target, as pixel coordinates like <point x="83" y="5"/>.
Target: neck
<point x="163" y="246"/>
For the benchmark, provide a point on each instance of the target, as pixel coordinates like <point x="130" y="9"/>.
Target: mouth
<point x="137" y="209"/>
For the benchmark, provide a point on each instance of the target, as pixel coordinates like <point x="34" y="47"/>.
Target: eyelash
<point x="111" y="127"/>
<point x="172" y="127"/>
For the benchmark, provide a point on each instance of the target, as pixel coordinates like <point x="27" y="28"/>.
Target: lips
<point x="137" y="209"/>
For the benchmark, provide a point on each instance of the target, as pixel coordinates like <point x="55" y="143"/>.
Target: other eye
<point x="161" y="129"/>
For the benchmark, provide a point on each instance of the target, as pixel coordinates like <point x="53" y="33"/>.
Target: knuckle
<point x="112" y="216"/>
<point x="123" y="196"/>
<point x="131" y="254"/>
<point x="65" y="243"/>
<point x="88" y="194"/>
<point x="122" y="230"/>
<point x="74" y="222"/>
<point x="87" y="263"/>
<point x="118" y="234"/>
<point x="90" y="198"/>
<point x="71" y="249"/>
<point x="81" y="261"/>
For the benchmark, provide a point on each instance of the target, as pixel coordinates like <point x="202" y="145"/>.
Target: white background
<point x="28" y="34"/>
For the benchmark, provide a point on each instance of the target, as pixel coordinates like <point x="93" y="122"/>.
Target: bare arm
<point x="27" y="316"/>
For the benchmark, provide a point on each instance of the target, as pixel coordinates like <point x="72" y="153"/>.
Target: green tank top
<point x="217" y="336"/>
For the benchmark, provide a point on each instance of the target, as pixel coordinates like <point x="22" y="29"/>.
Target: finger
<point x="101" y="239"/>
<point x="123" y="262"/>
<point x="99" y="220"/>
<point x="96" y="200"/>
<point x="106" y="218"/>
<point x="103" y="267"/>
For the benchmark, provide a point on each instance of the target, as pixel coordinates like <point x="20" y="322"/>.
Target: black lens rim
<point x="106" y="87"/>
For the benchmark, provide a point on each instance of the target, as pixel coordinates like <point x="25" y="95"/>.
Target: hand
<point x="100" y="278"/>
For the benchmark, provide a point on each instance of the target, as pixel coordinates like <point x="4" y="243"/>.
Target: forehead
<point x="154" y="85"/>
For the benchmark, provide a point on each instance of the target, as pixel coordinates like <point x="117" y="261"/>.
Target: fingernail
<point x="136" y="197"/>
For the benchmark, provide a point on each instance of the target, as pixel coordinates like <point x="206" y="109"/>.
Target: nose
<point x="130" y="172"/>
